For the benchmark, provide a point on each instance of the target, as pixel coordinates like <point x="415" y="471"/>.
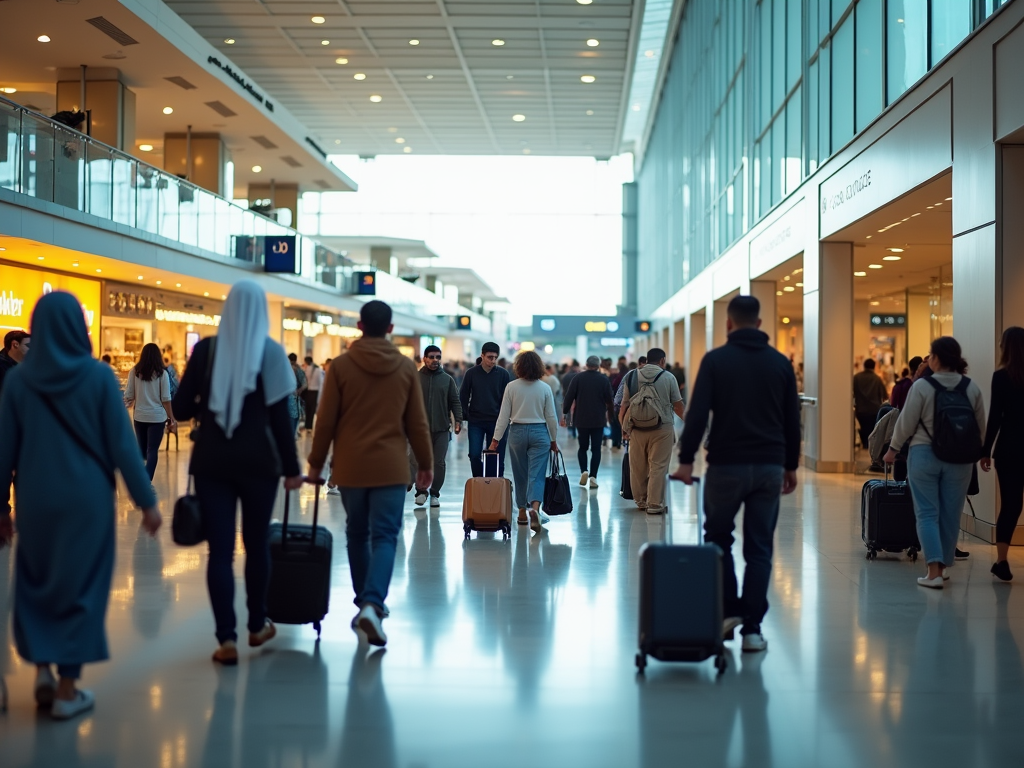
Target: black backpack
<point x="957" y="437"/>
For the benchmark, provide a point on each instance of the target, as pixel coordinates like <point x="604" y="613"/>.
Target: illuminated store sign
<point x="20" y="289"/>
<point x="194" y="318"/>
<point x="888" y="321"/>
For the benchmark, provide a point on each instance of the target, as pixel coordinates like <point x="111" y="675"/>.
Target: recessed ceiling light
<point x="74" y="263"/>
<point x="895" y="250"/>
<point x="337" y="141"/>
<point x="927" y="207"/>
<point x="99" y="270"/>
<point x="3" y="249"/>
<point x="229" y="41"/>
<point x="787" y="277"/>
<point x="874" y="266"/>
<point x="510" y="77"/>
<point x="518" y="118"/>
<point x="789" y="289"/>
<point x="8" y="89"/>
<point x="875" y="303"/>
<point x="159" y="282"/>
<point x="414" y="42"/>
<point x="526" y="151"/>
<point x="399" y="140"/>
<point x="358" y="76"/>
<point x="650" y="54"/>
<point x="145" y="147"/>
<point x="949" y="198"/>
<point x="498" y="42"/>
<point x="590" y="112"/>
<point x="392" y="130"/>
<point x="43" y="38"/>
<point x="407" y="150"/>
<point x="593" y="42"/>
<point x="41" y="258"/>
<point x="140" y="277"/>
<point x="376" y="99"/>
<point x="860" y="274"/>
<point x="584" y="2"/>
<point x="588" y="78"/>
<point x="785" y="321"/>
<point x="318" y="19"/>
<point x="914" y="214"/>
<point x="778" y="293"/>
<point x="325" y="42"/>
<point x="799" y="285"/>
<point x="636" y="107"/>
<point x="938" y="204"/>
<point x="168" y="110"/>
<point x="257" y="168"/>
<point x="891" y="258"/>
<point x="430" y="77"/>
<point x="341" y="60"/>
<point x="206" y="293"/>
<point x="177" y="285"/>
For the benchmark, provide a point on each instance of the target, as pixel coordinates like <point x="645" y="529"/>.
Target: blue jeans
<point x="480" y="435"/>
<point x="373" y="520"/>
<point x="939" y="489"/>
<point x="218" y="500"/>
<point x="149" y="436"/>
<point x="529" y="445"/>
<point x="757" y="487"/>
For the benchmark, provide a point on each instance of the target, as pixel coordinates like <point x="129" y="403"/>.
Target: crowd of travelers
<point x="247" y="400"/>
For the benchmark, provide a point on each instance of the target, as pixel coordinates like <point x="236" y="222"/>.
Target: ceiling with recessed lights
<point x="436" y="77"/>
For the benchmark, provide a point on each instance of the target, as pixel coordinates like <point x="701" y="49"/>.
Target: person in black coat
<point x="591" y="392"/>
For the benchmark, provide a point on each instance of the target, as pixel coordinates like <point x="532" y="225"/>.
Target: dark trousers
<point x="866" y="425"/>
<point x="440" y="441"/>
<point x="1011" y="496"/>
<point x="149" y="435"/>
<point x="218" y="499"/>
<point x="310" y="397"/>
<point x="590" y="439"/>
<point x="757" y="488"/>
<point x="480" y="435"/>
<point x="616" y="431"/>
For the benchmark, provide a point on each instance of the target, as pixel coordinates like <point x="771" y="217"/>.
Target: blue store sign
<point x="279" y="254"/>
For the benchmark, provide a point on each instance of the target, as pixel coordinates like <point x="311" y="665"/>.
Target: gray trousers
<point x="440" y="442"/>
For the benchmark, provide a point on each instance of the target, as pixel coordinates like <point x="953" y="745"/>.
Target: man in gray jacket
<point x="441" y="397"/>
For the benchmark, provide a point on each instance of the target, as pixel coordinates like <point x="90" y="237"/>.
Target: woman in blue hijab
<point x="61" y="411"/>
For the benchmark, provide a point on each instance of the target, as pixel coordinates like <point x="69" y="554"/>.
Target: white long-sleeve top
<point x="918" y="412"/>
<point x="149" y="397"/>
<point x="527" y="402"/>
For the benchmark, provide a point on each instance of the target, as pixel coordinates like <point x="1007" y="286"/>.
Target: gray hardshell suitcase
<point x="681" y="600"/>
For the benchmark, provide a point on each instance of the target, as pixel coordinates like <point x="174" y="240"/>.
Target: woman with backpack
<point x="1006" y="420"/>
<point x="943" y="419"/>
<point x="149" y="391"/>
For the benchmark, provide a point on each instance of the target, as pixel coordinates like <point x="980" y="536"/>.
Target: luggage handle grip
<point x="317" y="481"/>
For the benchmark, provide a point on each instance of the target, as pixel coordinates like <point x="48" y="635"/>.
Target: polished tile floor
<point x="521" y="654"/>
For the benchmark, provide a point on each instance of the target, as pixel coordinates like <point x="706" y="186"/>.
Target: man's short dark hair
<point x="15" y="336"/>
<point x="376" y="317"/>
<point x="642" y="360"/>
<point x="431" y="348"/>
<point x="744" y="311"/>
<point x="309" y="360"/>
<point x="869" y="364"/>
<point x="490" y="347"/>
<point x="293" y="357"/>
<point x="655" y="356"/>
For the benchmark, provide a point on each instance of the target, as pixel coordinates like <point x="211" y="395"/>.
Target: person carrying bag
<point x="557" y="498"/>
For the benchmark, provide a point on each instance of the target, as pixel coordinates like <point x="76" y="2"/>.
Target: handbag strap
<point x="73" y="433"/>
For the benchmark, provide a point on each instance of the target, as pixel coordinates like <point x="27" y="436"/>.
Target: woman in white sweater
<point x="529" y="406"/>
<point x="938" y="487"/>
<point x="149" y="391"/>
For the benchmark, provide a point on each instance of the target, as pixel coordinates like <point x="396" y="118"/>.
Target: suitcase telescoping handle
<point x="317" y="481"/>
<point x="483" y="458"/>
<point x="698" y="489"/>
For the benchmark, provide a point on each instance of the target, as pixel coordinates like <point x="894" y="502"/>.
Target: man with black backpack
<point x="647" y="422"/>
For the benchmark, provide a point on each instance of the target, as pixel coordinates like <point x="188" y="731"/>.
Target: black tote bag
<point x="557" y="498"/>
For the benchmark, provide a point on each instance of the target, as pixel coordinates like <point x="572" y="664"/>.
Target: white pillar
<point x="764" y="292"/>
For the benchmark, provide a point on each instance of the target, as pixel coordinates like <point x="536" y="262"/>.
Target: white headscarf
<point x="244" y="351"/>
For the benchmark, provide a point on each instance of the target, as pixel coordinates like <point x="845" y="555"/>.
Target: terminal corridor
<point x="521" y="653"/>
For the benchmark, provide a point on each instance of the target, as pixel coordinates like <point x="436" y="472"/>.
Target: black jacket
<point x="6" y="365"/>
<point x="1005" y="420"/>
<point x="263" y="444"/>
<point x="751" y="389"/>
<point x="592" y="393"/>
<point x="481" y="393"/>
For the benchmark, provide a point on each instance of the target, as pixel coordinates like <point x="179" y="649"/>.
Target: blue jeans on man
<point x="757" y="488"/>
<point x="480" y="435"/>
<point x="373" y="520"/>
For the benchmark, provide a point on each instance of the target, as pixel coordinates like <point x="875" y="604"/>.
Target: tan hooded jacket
<point x="371" y="407"/>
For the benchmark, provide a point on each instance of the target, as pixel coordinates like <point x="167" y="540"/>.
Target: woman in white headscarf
<point x="237" y="385"/>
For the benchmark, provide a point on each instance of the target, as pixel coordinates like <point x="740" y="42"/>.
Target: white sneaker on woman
<point x="65" y="710"/>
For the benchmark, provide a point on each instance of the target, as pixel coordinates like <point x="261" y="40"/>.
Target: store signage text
<point x="126" y="303"/>
<point x="833" y="201"/>
<point x="242" y="82"/>
<point x="10" y="306"/>
<point x="194" y="318"/>
<point x="888" y="321"/>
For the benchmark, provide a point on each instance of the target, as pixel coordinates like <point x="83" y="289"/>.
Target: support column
<point x="764" y="292"/>
<point x="678" y="351"/>
<point x="696" y="348"/>
<point x="716" y="316"/>
<point x="275" y="313"/>
<point x="828" y="369"/>
<point x="380" y="257"/>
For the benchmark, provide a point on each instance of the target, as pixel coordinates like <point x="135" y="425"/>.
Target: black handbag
<point x="557" y="497"/>
<point x="187" y="523"/>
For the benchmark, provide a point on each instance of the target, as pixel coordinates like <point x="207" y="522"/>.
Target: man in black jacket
<point x="591" y="392"/>
<point x="482" y="390"/>
<point x="753" y="453"/>
<point x="15" y="348"/>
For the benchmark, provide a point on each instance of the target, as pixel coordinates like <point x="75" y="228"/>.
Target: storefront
<point x="21" y="288"/>
<point x="134" y="317"/>
<point x="319" y="335"/>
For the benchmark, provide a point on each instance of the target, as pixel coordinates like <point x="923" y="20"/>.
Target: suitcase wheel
<point x="912" y="554"/>
<point x="641" y="662"/>
<point x="316" y="626"/>
<point x="720" y="663"/>
<point x="872" y="554"/>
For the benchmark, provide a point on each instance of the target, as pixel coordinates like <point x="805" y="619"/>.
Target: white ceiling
<point x="453" y="93"/>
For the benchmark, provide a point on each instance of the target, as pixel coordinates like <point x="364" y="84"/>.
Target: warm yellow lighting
<point x="41" y="258"/>
<point x="895" y="250"/>
<point x="325" y="42"/>
<point x="860" y="274"/>
<point x="785" y="321"/>
<point x="584" y="2"/>
<point x="789" y="289"/>
<point x="786" y="277"/>
<point x="177" y="285"/>
<point x="341" y="60"/>
<point x="518" y="118"/>
<point x="141" y="277"/>
<point x="159" y="282"/>
<point x="949" y="198"/>
<point x="229" y="41"/>
<point x="8" y="89"/>
<point x="799" y="285"/>
<point x="376" y="99"/>
<point x="145" y="147"/>
<point x="257" y="168"/>
<point x="99" y="270"/>
<point x="206" y="293"/>
<point x="168" y="110"/>
<point x="74" y="263"/>
<point x="318" y="19"/>
<point x="527" y="346"/>
<point x="497" y="43"/>
<point x="399" y="140"/>
<point x="891" y="258"/>
<point x="874" y="266"/>
<point x="875" y="303"/>
<point x="43" y="38"/>
<point x="778" y="293"/>
<point x="593" y="43"/>
<point x="588" y="78"/>
<point x="414" y="42"/>
<point x="407" y="150"/>
<point x="358" y="76"/>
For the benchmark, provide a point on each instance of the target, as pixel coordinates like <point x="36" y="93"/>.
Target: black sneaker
<point x="1001" y="570"/>
<point x="961" y="555"/>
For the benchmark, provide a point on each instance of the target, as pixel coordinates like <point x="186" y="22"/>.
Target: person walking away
<point x="748" y="391"/>
<point x="868" y="395"/>
<point x="528" y="415"/>
<point x="900" y="390"/>
<point x="566" y="380"/>
<point x="616" y="382"/>
<point x="945" y="442"/>
<point x="1006" y="422"/>
<point x="311" y="396"/>
<point x="650" y="444"/>
<point x="482" y="390"/>
<point x="371" y="409"/>
<point x="295" y="402"/>
<point x="591" y="394"/>
<point x="172" y="375"/>
<point x="149" y="391"/>
<point x="238" y="385"/>
<point x="62" y="408"/>
<point x="16" y="345"/>
<point x="441" y="400"/>
<point x="679" y="374"/>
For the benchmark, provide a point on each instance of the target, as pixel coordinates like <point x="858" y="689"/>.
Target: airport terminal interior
<point x="857" y="166"/>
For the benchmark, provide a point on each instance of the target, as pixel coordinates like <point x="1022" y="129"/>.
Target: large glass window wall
<point x="759" y="93"/>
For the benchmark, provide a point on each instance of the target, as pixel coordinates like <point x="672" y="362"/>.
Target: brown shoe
<point x="227" y="654"/>
<point x="256" y="639"/>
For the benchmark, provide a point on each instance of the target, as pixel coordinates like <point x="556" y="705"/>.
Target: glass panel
<point x="69" y="168"/>
<point x="842" y="85"/>
<point x="148" y="199"/>
<point x="838" y="7"/>
<point x="812" y="28"/>
<point x="124" y="190"/>
<point x="10" y="135"/>
<point x="168" y="189"/>
<point x="765" y="58"/>
<point x="188" y="213"/>
<point x="824" y="104"/>
<point x="794" y="145"/>
<point x="778" y="158"/>
<point x="824" y="19"/>
<point x="951" y="23"/>
<point x="36" y="157"/>
<point x="907" y="42"/>
<point x="869" y="61"/>
<point x="778" y="53"/>
<point x="100" y="180"/>
<point x="222" y="221"/>
<point x="794" y="50"/>
<point x="812" y="118"/>
<point x="207" y="238"/>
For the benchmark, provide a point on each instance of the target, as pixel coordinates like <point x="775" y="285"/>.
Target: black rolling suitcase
<point x="887" y="519"/>
<point x="681" y="600"/>
<point x="626" y="489"/>
<point x="300" y="569"/>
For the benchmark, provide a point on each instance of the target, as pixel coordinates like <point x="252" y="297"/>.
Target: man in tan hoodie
<point x="371" y="408"/>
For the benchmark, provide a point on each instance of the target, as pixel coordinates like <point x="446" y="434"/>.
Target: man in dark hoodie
<point x="441" y="398"/>
<point x="371" y="409"/>
<point x="15" y="348"/>
<point x="481" y="394"/>
<point x="753" y="453"/>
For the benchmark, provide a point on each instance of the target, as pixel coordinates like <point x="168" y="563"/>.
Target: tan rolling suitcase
<point x="487" y="505"/>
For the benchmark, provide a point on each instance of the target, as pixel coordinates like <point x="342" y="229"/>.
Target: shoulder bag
<point x="73" y="434"/>
<point x="557" y="497"/>
<point x="187" y="522"/>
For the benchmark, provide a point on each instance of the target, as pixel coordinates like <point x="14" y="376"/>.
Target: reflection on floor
<point x="521" y="654"/>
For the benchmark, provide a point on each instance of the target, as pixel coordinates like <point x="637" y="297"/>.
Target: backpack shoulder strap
<point x="938" y="387"/>
<point x="963" y="385"/>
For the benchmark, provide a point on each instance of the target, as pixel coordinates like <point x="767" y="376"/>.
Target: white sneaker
<point x="46" y="687"/>
<point x="369" y="623"/>
<point x="583" y="479"/>
<point x="593" y="482"/>
<point x="421" y="498"/>
<point x="333" y="490"/>
<point x="935" y="583"/>
<point x="435" y="502"/>
<point x="754" y="643"/>
<point x="65" y="710"/>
